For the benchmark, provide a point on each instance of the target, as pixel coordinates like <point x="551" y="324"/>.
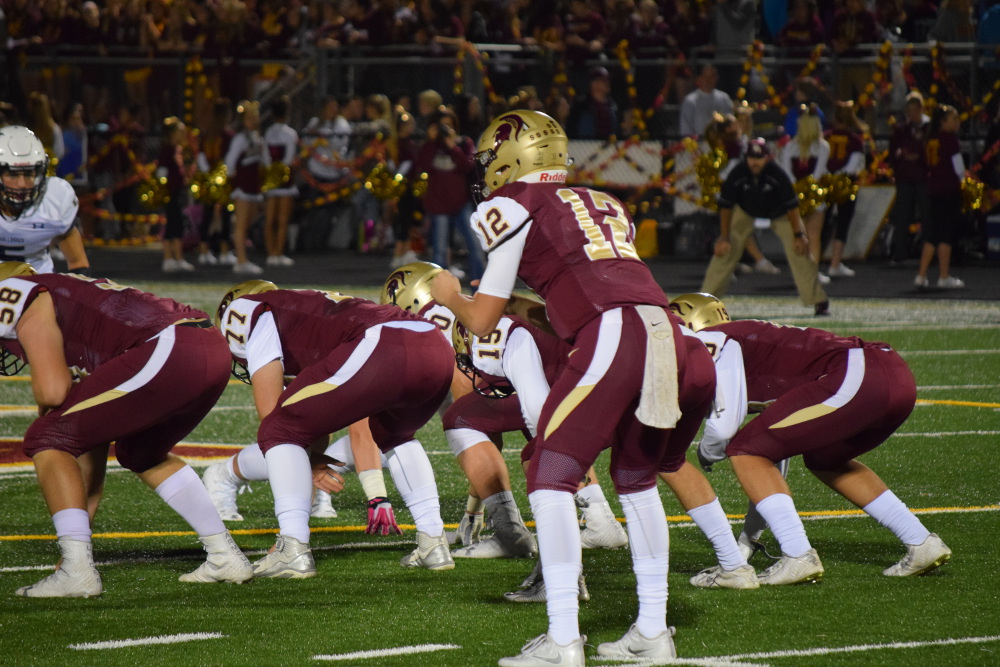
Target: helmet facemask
<point x="21" y="155"/>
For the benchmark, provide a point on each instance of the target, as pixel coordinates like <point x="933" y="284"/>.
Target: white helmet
<point x="21" y="152"/>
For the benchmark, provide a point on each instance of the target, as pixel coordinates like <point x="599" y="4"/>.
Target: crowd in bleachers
<point x="104" y="132"/>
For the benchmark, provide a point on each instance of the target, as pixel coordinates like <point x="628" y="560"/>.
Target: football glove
<point x="710" y="453"/>
<point x="381" y="519"/>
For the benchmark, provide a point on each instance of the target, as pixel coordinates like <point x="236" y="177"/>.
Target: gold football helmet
<point x="243" y="289"/>
<point x="515" y="144"/>
<point x="409" y="286"/>
<point x="699" y="310"/>
<point x="11" y="269"/>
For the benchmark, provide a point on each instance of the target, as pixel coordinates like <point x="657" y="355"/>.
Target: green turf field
<point x="364" y="609"/>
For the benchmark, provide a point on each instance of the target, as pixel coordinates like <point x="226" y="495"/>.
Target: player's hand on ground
<point x="325" y="478"/>
<point x="381" y="518"/>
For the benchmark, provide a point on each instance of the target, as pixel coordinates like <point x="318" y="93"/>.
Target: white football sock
<point x="253" y="467"/>
<point x="414" y="479"/>
<point x="562" y="560"/>
<point x="649" y="541"/>
<point x="73" y="523"/>
<point x="187" y="495"/>
<point x="290" y="474"/>
<point x="890" y="511"/>
<point x="713" y="522"/>
<point x="779" y="512"/>
<point x="592" y="493"/>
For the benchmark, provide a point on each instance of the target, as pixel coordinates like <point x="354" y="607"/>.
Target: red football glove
<point x="381" y="519"/>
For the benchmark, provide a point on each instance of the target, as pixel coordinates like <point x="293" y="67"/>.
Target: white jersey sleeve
<point x="237" y="321"/>
<point x="14" y="297"/>
<point x="264" y="344"/>
<point x="522" y="363"/>
<point x="442" y="317"/>
<point x="501" y="225"/>
<point x="730" y="408"/>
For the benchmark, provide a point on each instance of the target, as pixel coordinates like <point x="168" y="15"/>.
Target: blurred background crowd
<point x="386" y="99"/>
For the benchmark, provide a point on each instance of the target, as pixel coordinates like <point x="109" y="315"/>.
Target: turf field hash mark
<point x="859" y="648"/>
<point x="386" y="652"/>
<point x="148" y="641"/>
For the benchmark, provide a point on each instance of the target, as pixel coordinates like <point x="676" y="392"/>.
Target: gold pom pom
<point x="972" y="194"/>
<point x="276" y="175"/>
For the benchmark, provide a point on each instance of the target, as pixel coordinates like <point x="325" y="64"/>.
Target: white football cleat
<point x="921" y="558"/>
<point x="743" y="578"/>
<point x="288" y="559"/>
<point x="76" y="577"/>
<point x="223" y="489"/>
<point x="601" y="528"/>
<point x="543" y="652"/>
<point x="491" y="547"/>
<point x="431" y="553"/>
<point x="469" y="529"/>
<point x="225" y="562"/>
<point x="322" y="506"/>
<point x="634" y="645"/>
<point x="804" y="569"/>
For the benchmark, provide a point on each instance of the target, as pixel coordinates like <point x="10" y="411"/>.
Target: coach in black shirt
<point x="758" y="188"/>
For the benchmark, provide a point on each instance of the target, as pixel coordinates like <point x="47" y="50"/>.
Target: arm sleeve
<point x="522" y="365"/>
<point x="264" y="345"/>
<point x="501" y="269"/>
<point x="236" y="147"/>
<point x="821" y="159"/>
<point x="730" y="407"/>
<point x="855" y="163"/>
<point x="959" y="165"/>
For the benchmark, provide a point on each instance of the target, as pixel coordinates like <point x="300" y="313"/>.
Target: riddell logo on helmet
<point x="546" y="177"/>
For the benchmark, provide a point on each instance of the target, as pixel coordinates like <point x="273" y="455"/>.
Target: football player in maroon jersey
<point x="351" y="359"/>
<point x="626" y="386"/>
<point x="831" y="399"/>
<point x="148" y="371"/>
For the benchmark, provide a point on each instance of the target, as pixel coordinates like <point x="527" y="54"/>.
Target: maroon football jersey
<point x="310" y="323"/>
<point x="941" y="176"/>
<point x="803" y="168"/>
<point x="100" y="319"/>
<point x="843" y="144"/>
<point x="777" y="358"/>
<point x="579" y="254"/>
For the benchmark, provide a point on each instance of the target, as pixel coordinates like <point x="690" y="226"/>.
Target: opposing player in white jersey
<point x="35" y="208"/>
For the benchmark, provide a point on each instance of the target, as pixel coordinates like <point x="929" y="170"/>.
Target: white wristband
<point x="373" y="482"/>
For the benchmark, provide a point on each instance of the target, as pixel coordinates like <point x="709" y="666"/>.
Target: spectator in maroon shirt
<point x="585" y="36"/>
<point x="446" y="158"/>
<point x="908" y="162"/>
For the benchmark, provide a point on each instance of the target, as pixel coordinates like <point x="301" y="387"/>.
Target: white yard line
<point x="742" y="658"/>
<point x="147" y="641"/>
<point x="387" y="652"/>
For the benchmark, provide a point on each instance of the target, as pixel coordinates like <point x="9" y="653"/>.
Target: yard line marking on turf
<point x="386" y="652"/>
<point x="148" y="641"/>
<point x="923" y="353"/>
<point x="970" y="404"/>
<point x="943" y="434"/>
<point x="733" y="660"/>
<point x="862" y="647"/>
<point x="682" y="519"/>
<point x="944" y="387"/>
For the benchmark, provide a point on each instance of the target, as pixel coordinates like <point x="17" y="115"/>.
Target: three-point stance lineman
<point x="149" y="371"/>
<point x="350" y="359"/>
